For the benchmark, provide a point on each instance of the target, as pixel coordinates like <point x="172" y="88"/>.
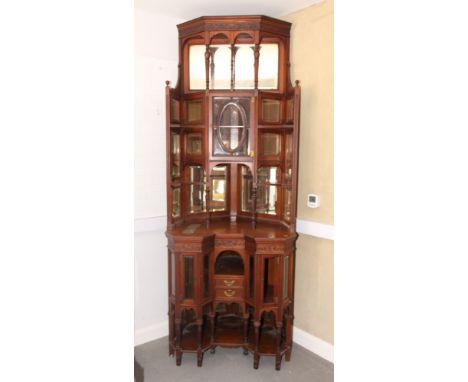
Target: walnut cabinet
<point x="232" y="155"/>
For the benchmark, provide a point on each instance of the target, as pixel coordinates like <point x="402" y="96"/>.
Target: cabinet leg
<point x="178" y="357"/>
<point x="278" y="362"/>
<point x="199" y="358"/>
<point x="256" y="361"/>
<point x="287" y="356"/>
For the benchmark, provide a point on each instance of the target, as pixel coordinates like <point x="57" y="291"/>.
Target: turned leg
<point x="178" y="324"/>
<point x="171" y="329"/>
<point x="199" y="342"/>
<point x="288" y="337"/>
<point x="246" y="333"/>
<point x="279" y="327"/>
<point x="257" y="340"/>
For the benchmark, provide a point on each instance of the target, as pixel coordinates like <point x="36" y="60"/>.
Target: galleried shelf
<point x="232" y="149"/>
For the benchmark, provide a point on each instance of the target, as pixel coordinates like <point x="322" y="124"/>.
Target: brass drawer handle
<point x="229" y="293"/>
<point x="229" y="282"/>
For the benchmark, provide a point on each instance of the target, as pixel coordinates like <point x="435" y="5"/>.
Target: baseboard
<point x="314" y="344"/>
<point x="151" y="333"/>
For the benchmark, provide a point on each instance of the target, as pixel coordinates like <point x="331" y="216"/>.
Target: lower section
<point x="231" y="326"/>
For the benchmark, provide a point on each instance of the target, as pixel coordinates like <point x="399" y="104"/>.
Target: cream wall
<point x="312" y="64"/>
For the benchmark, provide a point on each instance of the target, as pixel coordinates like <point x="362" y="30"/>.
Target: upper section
<point x="234" y="53"/>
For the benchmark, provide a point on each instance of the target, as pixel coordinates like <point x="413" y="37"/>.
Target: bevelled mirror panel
<point x="197" y="67"/>
<point x="267" y="190"/>
<point x="271" y="110"/>
<point x="288" y="157"/>
<point x="193" y="144"/>
<point x="244" y="70"/>
<point x="231" y="126"/>
<point x="175" y="202"/>
<point x="218" y="189"/>
<point x="270" y="144"/>
<point x="268" y="66"/>
<point x="246" y="189"/>
<point x="287" y="204"/>
<point x="175" y="155"/>
<point x="289" y="110"/>
<point x="220" y="67"/>
<point x="193" y="111"/>
<point x="175" y="111"/>
<point x="196" y="190"/>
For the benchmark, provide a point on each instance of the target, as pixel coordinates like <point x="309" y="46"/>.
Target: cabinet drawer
<point x="235" y="293"/>
<point x="229" y="282"/>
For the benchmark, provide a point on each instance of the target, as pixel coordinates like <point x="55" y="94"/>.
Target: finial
<point x="297" y="82"/>
<point x="167" y="83"/>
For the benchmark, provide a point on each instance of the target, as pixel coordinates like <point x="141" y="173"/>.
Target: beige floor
<point x="229" y="365"/>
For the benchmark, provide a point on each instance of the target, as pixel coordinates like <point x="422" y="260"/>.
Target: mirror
<point x="193" y="144"/>
<point x="196" y="189"/>
<point x="175" y="111"/>
<point x="270" y="144"/>
<point x="246" y="189"/>
<point x="193" y="111"/>
<point x="218" y="188"/>
<point x="271" y="110"/>
<point x="268" y="66"/>
<point x="175" y="202"/>
<point x="220" y="67"/>
<point x="267" y="190"/>
<point x="175" y="155"/>
<point x="244" y="67"/>
<point x="197" y="67"/>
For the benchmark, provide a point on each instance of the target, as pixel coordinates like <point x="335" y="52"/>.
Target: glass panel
<point x="188" y="277"/>
<point x="270" y="144"/>
<point x="229" y="263"/>
<point x="288" y="158"/>
<point x="175" y="202"/>
<point x="271" y="110"/>
<point x="175" y="155"/>
<point x="193" y="144"/>
<point x="175" y="110"/>
<point x="220" y="67"/>
<point x="246" y="189"/>
<point x="244" y="67"/>
<point x="268" y="66"/>
<point x="287" y="204"/>
<point x="218" y="188"/>
<point x="197" y="66"/>
<point x="206" y="262"/>
<point x="289" y="110"/>
<point x="172" y="260"/>
<point x="269" y="279"/>
<point x="194" y="111"/>
<point x="285" y="276"/>
<point x="251" y="277"/>
<point x="231" y="126"/>
<point x="197" y="189"/>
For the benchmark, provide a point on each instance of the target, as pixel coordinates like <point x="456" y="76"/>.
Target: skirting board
<point x="151" y="333"/>
<point x="314" y="344"/>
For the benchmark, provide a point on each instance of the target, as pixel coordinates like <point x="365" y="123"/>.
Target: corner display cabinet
<point x="232" y="149"/>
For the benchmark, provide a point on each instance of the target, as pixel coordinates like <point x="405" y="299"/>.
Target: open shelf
<point x="229" y="331"/>
<point x="188" y="342"/>
<point x="229" y="263"/>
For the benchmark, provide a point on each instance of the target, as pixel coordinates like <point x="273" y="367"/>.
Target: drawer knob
<point x="229" y="282"/>
<point x="229" y="293"/>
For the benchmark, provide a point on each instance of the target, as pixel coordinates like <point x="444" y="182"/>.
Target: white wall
<point x="156" y="59"/>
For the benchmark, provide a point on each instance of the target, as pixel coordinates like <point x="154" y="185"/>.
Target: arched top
<point x="219" y="38"/>
<point x="243" y="38"/>
<point x="229" y="263"/>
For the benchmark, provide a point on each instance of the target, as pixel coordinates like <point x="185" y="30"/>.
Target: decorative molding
<point x="324" y="231"/>
<point x="313" y="344"/>
<point x="154" y="223"/>
<point x="151" y="333"/>
<point x="231" y="243"/>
